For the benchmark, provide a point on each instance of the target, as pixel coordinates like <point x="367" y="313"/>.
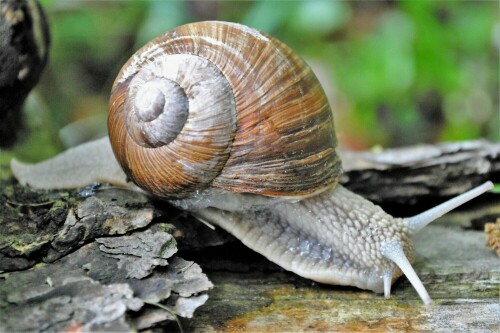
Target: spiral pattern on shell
<point x="223" y="105"/>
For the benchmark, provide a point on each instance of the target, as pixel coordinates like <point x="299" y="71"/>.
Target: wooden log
<point x="48" y="229"/>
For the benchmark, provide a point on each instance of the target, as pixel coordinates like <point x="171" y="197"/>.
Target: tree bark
<point x="24" y="48"/>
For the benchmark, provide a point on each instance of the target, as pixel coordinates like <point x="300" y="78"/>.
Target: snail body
<point x="230" y="124"/>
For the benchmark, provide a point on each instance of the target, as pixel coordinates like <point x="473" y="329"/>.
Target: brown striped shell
<point x="216" y="104"/>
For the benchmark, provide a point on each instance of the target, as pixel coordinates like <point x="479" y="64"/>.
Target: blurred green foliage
<point x="396" y="72"/>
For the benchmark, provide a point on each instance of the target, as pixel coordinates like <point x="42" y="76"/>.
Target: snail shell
<point x="217" y="104"/>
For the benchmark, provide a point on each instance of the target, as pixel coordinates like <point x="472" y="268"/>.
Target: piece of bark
<point x="421" y="174"/>
<point x="140" y="252"/>
<point x="43" y="226"/>
<point x="104" y="284"/>
<point x="94" y="291"/>
<point x="492" y="231"/>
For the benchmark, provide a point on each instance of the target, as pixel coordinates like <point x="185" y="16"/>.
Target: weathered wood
<point x="106" y="285"/>
<point x="43" y="226"/>
<point x="421" y="175"/>
<point x="96" y="233"/>
<point x="84" y="272"/>
<point x="460" y="273"/>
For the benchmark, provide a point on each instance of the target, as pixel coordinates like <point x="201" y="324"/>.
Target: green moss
<point x="168" y="248"/>
<point x="166" y="227"/>
<point x="24" y="248"/>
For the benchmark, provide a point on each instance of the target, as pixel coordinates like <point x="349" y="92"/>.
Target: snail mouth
<point x="393" y="251"/>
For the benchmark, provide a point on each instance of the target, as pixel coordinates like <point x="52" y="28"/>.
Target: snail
<point x="230" y="124"/>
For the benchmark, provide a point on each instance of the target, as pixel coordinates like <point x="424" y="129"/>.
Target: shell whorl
<point x="160" y="110"/>
<point x="223" y="105"/>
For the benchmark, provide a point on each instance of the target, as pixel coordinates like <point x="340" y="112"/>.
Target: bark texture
<point x="24" y="49"/>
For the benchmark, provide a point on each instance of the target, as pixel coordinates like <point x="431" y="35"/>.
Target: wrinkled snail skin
<point x="334" y="237"/>
<point x="228" y="123"/>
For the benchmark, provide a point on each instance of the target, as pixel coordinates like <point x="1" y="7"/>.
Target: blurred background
<point x="396" y="72"/>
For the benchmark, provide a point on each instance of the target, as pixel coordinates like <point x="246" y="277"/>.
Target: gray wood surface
<point x="460" y="273"/>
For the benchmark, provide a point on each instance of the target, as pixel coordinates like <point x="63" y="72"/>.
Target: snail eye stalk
<point x="417" y="222"/>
